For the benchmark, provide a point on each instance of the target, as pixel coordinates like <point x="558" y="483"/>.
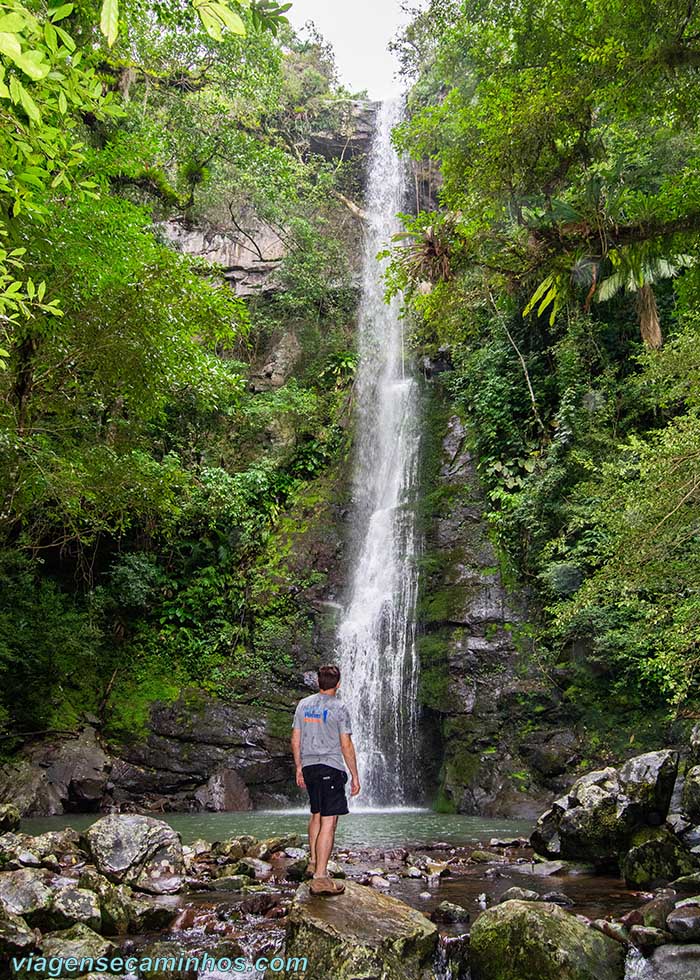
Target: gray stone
<point x="648" y="780"/>
<point x="558" y="898"/>
<point x="73" y="905"/>
<point x="224" y="791"/>
<point x="449" y="912"/>
<point x="694" y="741"/>
<point x="519" y="894"/>
<point x="55" y="775"/>
<point x="647" y="937"/>
<point x="684" y="923"/>
<point x="139" y="851"/>
<point x="28" y="892"/>
<point x="652" y="914"/>
<point x="603" y="810"/>
<point x="544" y="869"/>
<point x="361" y="933"/>
<point x="15" y="935"/>
<point x="687" y="884"/>
<point x="115" y="901"/>
<point x="161" y="962"/>
<point x="78" y="942"/>
<point x="551" y="753"/>
<point x="539" y="941"/>
<point x="674" y="962"/>
<point x="691" y="794"/>
<point x="255" y="868"/>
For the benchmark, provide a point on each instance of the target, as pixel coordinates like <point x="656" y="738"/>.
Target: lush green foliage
<point x="565" y="246"/>
<point x="142" y="478"/>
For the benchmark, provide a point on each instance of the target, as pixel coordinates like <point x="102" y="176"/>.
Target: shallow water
<point x="361" y="828"/>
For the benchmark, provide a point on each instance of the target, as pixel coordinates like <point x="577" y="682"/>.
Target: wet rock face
<point x="361" y="933"/>
<point x="139" y="851"/>
<point x="216" y="755"/>
<point x="599" y="815"/>
<point x="59" y="776"/>
<point x="470" y="687"/>
<point x="524" y="941"/>
<point x="354" y="137"/>
<point x="691" y="794"/>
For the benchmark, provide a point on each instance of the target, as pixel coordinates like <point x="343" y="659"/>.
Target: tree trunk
<point x="649" y="322"/>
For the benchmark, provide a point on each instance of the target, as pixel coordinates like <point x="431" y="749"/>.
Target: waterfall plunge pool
<point x="399" y="827"/>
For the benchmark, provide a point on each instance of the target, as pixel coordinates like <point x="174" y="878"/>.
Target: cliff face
<point x="499" y="742"/>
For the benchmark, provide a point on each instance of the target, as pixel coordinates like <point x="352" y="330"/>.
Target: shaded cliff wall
<point x="496" y="738"/>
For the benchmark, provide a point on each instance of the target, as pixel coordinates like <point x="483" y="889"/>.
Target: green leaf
<point x="63" y="11"/>
<point x="230" y="18"/>
<point x="32" y="64"/>
<point x="10" y="46"/>
<point x="12" y="23"/>
<point x="109" y="20"/>
<point x="29" y="105"/>
<point x="543" y="287"/>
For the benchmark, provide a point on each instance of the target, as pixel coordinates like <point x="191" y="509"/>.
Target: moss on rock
<point x="360" y="933"/>
<point x="538" y="941"/>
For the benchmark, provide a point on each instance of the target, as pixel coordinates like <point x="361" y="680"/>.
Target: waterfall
<point x="377" y="648"/>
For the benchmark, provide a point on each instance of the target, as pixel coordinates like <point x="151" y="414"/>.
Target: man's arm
<point x="348" y="750"/>
<point x="296" y="751"/>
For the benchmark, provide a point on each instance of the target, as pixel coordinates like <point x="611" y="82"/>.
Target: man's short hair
<point x="328" y="677"/>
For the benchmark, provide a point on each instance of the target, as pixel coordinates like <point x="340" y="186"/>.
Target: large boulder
<point x="72" y="905"/>
<point x="224" y="791"/>
<point x="670" y="962"/>
<point x="538" y="941"/>
<point x="596" y="820"/>
<point x="655" y="856"/>
<point x="81" y="766"/>
<point x="361" y="933"/>
<point x="15" y="935"/>
<point x="648" y="781"/>
<point x="77" y="943"/>
<point x="599" y="820"/>
<point x="117" y="908"/>
<point x="138" y="851"/>
<point x="691" y="794"/>
<point x="28" y="892"/>
<point x="54" y="776"/>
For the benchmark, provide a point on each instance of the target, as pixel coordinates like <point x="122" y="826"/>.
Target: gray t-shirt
<point x="322" y="719"/>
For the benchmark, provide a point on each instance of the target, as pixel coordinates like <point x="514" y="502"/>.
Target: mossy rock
<point x="656" y="856"/>
<point x="538" y="941"/>
<point x="9" y="818"/>
<point x="361" y="933"/>
<point x="691" y="793"/>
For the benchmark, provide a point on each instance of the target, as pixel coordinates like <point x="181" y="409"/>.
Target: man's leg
<point x="324" y="845"/>
<point x="314" y="828"/>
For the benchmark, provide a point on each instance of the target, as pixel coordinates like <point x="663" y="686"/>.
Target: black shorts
<point x="326" y="788"/>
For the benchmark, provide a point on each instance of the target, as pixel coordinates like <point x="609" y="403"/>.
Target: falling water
<point x="377" y="646"/>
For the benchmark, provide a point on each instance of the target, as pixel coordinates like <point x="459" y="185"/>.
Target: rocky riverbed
<point x="606" y="888"/>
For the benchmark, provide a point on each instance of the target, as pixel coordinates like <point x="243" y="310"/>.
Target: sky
<point x="359" y="31"/>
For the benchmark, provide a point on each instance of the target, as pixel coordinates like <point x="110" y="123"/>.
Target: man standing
<point x="322" y="747"/>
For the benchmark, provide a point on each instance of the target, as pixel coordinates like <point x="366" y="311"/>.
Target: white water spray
<point x="377" y="647"/>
